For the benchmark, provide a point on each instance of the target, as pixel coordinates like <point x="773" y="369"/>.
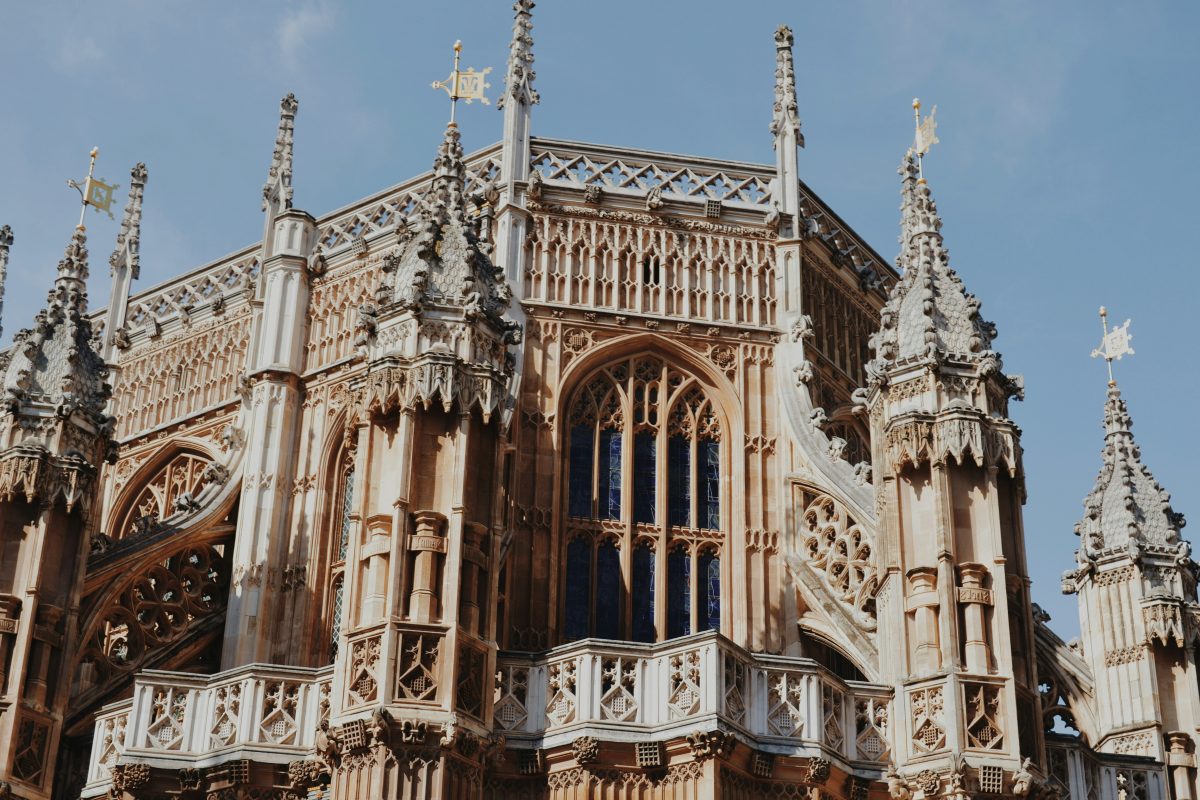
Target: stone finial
<point x="278" y="188"/>
<point x="1127" y="506"/>
<point x="929" y="315"/>
<point x="518" y="79"/>
<point x="787" y="114"/>
<point x="127" y="252"/>
<point x="6" y="240"/>
<point x="70" y="287"/>
<point x="449" y="177"/>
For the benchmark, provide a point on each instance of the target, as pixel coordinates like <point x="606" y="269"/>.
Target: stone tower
<point x="418" y="622"/>
<point x="1138" y="616"/>
<point x="955" y="619"/>
<point x="54" y="435"/>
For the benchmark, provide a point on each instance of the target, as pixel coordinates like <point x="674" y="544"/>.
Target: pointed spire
<point x="54" y="363"/>
<point x="6" y="240"/>
<point x="70" y="287"/>
<point x="444" y="258"/>
<point x="278" y="189"/>
<point x="127" y="252"/>
<point x="518" y="79"/>
<point x="1126" y="507"/>
<point x="787" y="114"/>
<point x="930" y="314"/>
<point x="449" y="178"/>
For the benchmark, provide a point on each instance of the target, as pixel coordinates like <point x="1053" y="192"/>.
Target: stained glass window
<point x="708" y="591"/>
<point x="679" y="480"/>
<point x="643" y="595"/>
<point x="608" y="592"/>
<point x="347" y="510"/>
<point x="679" y="593"/>
<point x="644" y="456"/>
<point x="580" y="483"/>
<point x="708" y="478"/>
<point x="610" y="474"/>
<point x="640" y="432"/>
<point x="579" y="588"/>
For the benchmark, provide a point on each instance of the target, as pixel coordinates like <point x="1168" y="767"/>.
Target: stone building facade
<point x="563" y="471"/>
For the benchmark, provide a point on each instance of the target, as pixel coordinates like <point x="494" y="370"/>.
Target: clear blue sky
<point x="1066" y="177"/>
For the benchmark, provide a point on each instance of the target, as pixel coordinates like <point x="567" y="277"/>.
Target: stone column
<point x="1181" y="760"/>
<point x="428" y="541"/>
<point x="922" y="606"/>
<point x="974" y="598"/>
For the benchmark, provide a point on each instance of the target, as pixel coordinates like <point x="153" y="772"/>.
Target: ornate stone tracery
<point x="841" y="550"/>
<point x="173" y="487"/>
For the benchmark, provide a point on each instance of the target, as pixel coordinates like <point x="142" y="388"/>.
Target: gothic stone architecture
<point x="563" y="471"/>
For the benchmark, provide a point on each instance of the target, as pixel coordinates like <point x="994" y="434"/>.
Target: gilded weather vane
<point x="1114" y="344"/>
<point x="94" y="192"/>
<point x="926" y="136"/>
<point x="464" y="84"/>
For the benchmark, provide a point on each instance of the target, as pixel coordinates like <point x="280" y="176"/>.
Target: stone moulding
<point x="915" y="439"/>
<point x="33" y="473"/>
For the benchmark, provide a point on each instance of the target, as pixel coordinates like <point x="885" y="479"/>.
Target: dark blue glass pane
<point x="709" y="484"/>
<point x="610" y="474"/>
<point x="579" y="588"/>
<point x="347" y="510"/>
<point x="643" y="477"/>
<point x="608" y="592"/>
<point x="580" y="483"/>
<point x="643" y="595"/>
<point x="708" y="589"/>
<point x="679" y="593"/>
<point x="679" y="480"/>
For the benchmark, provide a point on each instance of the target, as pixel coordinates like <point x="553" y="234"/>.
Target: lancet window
<point x="343" y="527"/>
<point x="642" y="559"/>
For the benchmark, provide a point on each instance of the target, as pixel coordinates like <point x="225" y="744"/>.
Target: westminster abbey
<point x="563" y="471"/>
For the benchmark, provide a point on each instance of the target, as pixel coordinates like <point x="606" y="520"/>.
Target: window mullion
<point x="693" y="469"/>
<point x="596" y="464"/>
<point x="662" y="506"/>
<point x="595" y="584"/>
<point x="694" y="579"/>
<point x="627" y="501"/>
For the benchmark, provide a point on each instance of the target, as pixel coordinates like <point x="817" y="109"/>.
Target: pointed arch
<point x="150" y="493"/>
<point x="334" y="527"/>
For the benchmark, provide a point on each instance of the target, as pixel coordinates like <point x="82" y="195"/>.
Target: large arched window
<point x="643" y="516"/>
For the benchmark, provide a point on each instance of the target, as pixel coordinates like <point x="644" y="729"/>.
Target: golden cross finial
<point x="464" y="84"/>
<point x="1114" y="344"/>
<point x="94" y="191"/>
<point x="925" y="137"/>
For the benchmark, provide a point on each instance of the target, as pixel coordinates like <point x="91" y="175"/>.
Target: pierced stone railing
<point x="624" y="692"/>
<point x="259" y="712"/>
<point x="637" y="172"/>
<point x="1078" y="772"/>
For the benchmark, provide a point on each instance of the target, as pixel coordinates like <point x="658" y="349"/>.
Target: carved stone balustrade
<point x="618" y="691"/>
<point x="1081" y="773"/>
<point x="175" y="720"/>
